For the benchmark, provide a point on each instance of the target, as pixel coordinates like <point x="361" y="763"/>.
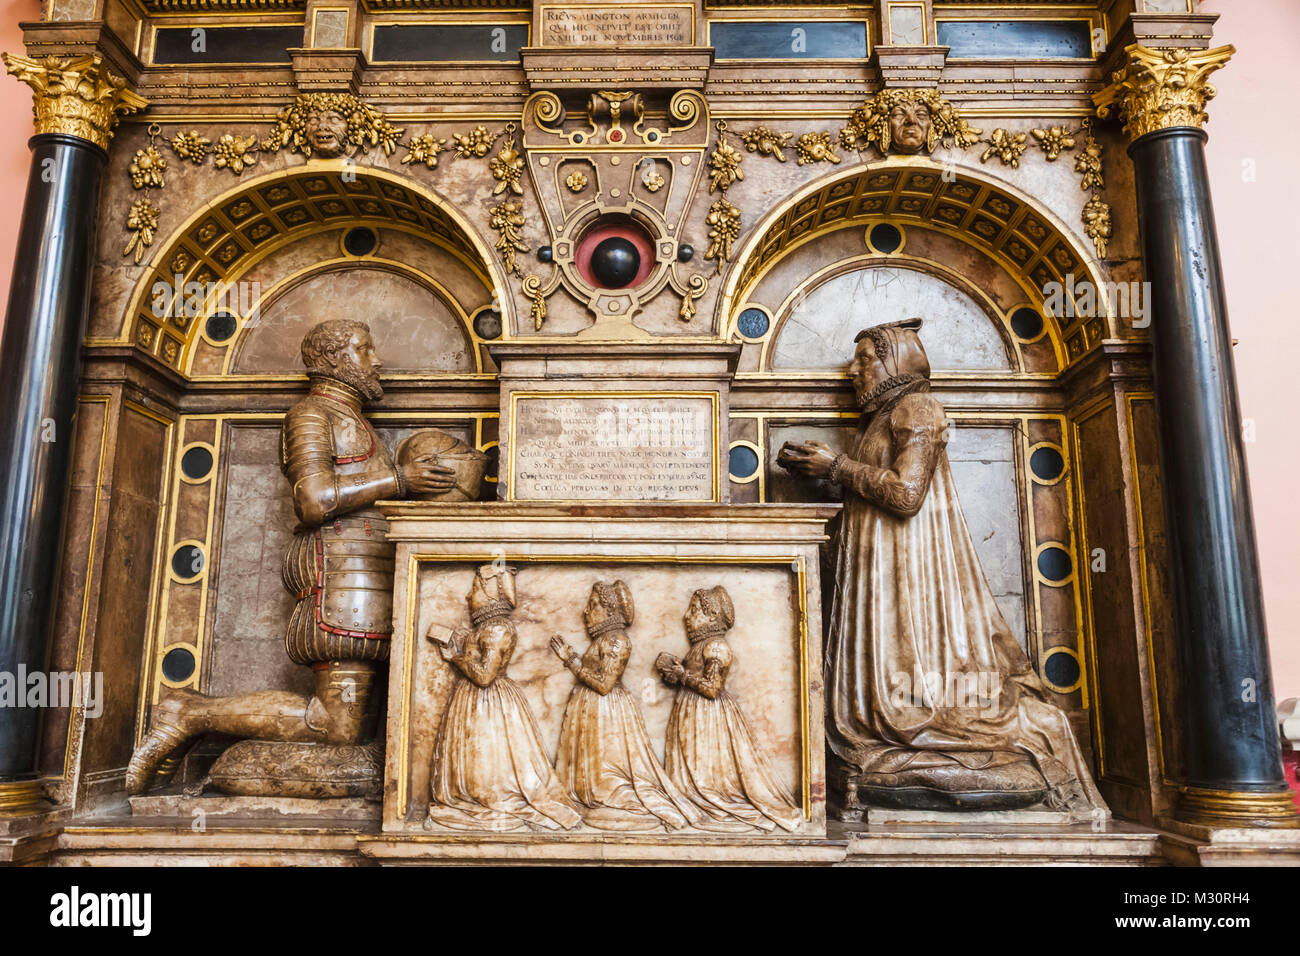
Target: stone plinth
<point x="766" y="556"/>
<point x="614" y="423"/>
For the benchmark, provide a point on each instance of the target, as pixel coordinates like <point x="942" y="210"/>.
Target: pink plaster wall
<point x="1253" y="171"/>
<point x="1259" y="222"/>
<point x="16" y="124"/>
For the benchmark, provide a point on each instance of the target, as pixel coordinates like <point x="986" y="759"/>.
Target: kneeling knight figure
<point x="339" y="567"/>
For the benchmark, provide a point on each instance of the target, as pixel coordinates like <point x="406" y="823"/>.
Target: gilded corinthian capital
<point x="77" y="96"/>
<point x="1160" y="89"/>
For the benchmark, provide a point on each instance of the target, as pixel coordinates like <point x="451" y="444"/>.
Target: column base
<point x="1203" y="807"/>
<point x="21" y="797"/>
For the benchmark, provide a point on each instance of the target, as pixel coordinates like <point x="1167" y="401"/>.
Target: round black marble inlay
<point x="196" y="463"/>
<point x="742" y="463"/>
<point x="178" y="665"/>
<point x="885" y="238"/>
<point x="221" y="326"/>
<point x="685" y="252"/>
<point x="545" y="254"/>
<point x="1061" y="670"/>
<point x="753" y="323"/>
<point x="1046" y="463"/>
<point x="1027" y="323"/>
<point x="1054" y="563"/>
<point x="615" y="262"/>
<point x="187" y="562"/>
<point x="487" y="324"/>
<point x="360" y="241"/>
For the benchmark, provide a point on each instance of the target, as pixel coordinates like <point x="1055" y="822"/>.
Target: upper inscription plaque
<point x="624" y="446"/>
<point x="640" y="24"/>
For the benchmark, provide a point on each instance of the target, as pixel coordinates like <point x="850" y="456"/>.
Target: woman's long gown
<point x="605" y="756"/>
<point x="912" y="604"/>
<point x="490" y="770"/>
<point x="710" y="753"/>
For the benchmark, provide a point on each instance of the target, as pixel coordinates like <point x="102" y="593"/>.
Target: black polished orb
<point x="615" y="262"/>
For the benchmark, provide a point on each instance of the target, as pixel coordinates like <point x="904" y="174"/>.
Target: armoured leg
<point x="336" y="713"/>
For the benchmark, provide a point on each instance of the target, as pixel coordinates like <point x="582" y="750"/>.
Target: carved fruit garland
<point x="146" y="172"/>
<point x="1009" y="147"/>
<point x="363" y="127"/>
<point x="723" y="218"/>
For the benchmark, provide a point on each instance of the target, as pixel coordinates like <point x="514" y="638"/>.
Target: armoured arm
<point x="320" y="494"/>
<point x="917" y="426"/>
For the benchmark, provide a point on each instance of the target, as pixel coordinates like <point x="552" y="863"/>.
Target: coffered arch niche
<point x="270" y="238"/>
<point x="968" y="254"/>
<point x="977" y="225"/>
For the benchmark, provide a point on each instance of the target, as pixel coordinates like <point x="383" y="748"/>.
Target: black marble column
<point x="1229" y="735"/>
<point x="39" y="357"/>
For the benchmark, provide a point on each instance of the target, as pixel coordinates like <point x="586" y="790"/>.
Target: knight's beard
<point x="367" y="384"/>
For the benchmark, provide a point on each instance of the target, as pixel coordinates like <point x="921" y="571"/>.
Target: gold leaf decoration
<point x="1090" y="160"/>
<point x="191" y="146"/>
<point x="576" y="181"/>
<point x="507" y="219"/>
<point x="507" y="167"/>
<point x="141" y="222"/>
<point x="1053" y="141"/>
<point x="532" y="287"/>
<point x="232" y="152"/>
<point x="424" y="149"/>
<point x="361" y="124"/>
<point x="474" y="144"/>
<point x="1008" y="147"/>
<point x="146" y="168"/>
<point x="869" y="123"/>
<point x="77" y="96"/>
<point x="767" y="142"/>
<point x="1161" y="89"/>
<point x="815" y="148"/>
<point x="695" y="288"/>
<point x="724" y="166"/>
<point x="723" y="221"/>
<point x="1097" y="225"/>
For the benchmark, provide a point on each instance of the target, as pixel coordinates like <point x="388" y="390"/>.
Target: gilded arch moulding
<point x="987" y="212"/>
<point x="224" y="237"/>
